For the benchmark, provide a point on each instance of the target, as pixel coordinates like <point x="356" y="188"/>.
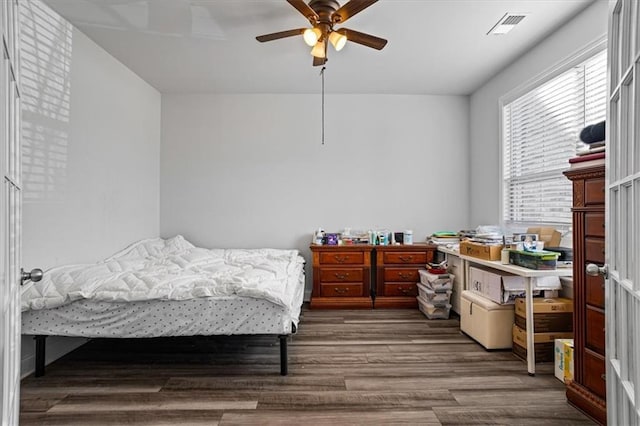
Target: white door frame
<point x="622" y="291"/>
<point x="10" y="215"/>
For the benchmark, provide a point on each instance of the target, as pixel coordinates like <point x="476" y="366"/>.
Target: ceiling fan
<point x="323" y="15"/>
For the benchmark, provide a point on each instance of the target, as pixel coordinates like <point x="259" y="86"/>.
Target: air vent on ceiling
<point x="506" y="23"/>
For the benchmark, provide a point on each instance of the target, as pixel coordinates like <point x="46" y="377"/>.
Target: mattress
<point x="161" y="318"/>
<point x="187" y="291"/>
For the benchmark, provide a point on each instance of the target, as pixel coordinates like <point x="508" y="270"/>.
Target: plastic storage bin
<point x="542" y="260"/>
<point x="437" y="283"/>
<point x="433" y="311"/>
<point x="432" y="296"/>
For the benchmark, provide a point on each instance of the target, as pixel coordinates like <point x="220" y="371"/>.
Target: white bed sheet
<point x="161" y="318"/>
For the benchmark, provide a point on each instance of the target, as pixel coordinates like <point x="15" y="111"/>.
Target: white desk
<point x="527" y="274"/>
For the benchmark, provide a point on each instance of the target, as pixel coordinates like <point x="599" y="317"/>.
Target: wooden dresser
<point x="397" y="274"/>
<point x="341" y="276"/>
<point x="588" y="389"/>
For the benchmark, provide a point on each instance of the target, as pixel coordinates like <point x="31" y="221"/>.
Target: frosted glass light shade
<point x="311" y="36"/>
<point x="337" y="40"/>
<point x="319" y="50"/>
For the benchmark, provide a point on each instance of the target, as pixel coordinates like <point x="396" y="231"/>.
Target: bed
<point x="168" y="287"/>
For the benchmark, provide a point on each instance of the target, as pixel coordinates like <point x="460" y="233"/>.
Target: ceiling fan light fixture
<point x="337" y="40"/>
<point x="311" y="36"/>
<point x="319" y="50"/>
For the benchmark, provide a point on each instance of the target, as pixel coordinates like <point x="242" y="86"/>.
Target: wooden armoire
<point x="587" y="390"/>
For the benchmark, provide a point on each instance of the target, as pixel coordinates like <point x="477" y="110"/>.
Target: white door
<point x="623" y="216"/>
<point x="10" y="213"/>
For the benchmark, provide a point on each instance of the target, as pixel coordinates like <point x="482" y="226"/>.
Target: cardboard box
<point x="481" y="251"/>
<point x="559" y="358"/>
<point x="568" y="361"/>
<point x="549" y="315"/>
<point x="550" y="236"/>
<point x="495" y="285"/>
<point x="544" y="306"/>
<point x="543" y="344"/>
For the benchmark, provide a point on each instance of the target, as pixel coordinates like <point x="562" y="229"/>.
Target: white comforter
<point x="172" y="269"/>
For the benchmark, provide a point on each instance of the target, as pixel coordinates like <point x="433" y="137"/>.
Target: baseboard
<point x="56" y="348"/>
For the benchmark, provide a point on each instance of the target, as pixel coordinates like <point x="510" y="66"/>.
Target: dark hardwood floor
<point x="370" y="367"/>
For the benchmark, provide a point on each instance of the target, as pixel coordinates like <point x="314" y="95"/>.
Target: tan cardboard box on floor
<point x="544" y="343"/>
<point x="549" y="314"/>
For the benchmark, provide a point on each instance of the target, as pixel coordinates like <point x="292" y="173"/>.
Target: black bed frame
<point x="41" y="350"/>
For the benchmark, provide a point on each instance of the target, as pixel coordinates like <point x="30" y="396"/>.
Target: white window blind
<point x="541" y="132"/>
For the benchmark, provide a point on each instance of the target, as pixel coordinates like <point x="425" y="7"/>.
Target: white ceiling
<point x="209" y="46"/>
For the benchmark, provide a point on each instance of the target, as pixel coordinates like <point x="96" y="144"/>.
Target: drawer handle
<point x="341" y="259"/>
<point x="404" y="275"/>
<point x="340" y="290"/>
<point x="603" y="377"/>
<point x="341" y="276"/>
<point x="406" y="259"/>
<point x="404" y="290"/>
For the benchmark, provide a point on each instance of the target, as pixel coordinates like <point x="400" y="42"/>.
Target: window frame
<point x="545" y="76"/>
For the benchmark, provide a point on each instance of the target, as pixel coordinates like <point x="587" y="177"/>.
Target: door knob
<point x="35" y="275"/>
<point x="595" y="270"/>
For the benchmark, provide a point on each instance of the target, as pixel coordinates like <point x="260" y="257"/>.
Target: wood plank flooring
<point x="375" y="367"/>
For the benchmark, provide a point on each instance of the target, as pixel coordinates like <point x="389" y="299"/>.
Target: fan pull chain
<point x="322" y="74"/>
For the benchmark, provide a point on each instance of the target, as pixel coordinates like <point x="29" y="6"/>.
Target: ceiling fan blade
<point x="281" y="34"/>
<point x="351" y="8"/>
<point x="304" y="8"/>
<point x="363" y="39"/>
<point x="319" y="61"/>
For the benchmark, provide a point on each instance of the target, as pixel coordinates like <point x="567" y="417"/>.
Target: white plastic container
<point x="432" y="296"/>
<point x="437" y="283"/>
<point x="433" y="311"/>
<point x="408" y="237"/>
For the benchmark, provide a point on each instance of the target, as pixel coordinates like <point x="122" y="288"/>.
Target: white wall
<point x="91" y="150"/>
<point x="585" y="28"/>
<point x="250" y="170"/>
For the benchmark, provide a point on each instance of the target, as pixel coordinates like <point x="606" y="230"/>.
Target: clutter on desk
<point x="445" y="238"/>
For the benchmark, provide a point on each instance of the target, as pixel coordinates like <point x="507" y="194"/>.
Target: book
<point x="589" y="160"/>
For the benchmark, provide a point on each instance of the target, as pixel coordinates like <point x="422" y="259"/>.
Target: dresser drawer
<point x="594" y="250"/>
<point x="334" y="275"/>
<point x="408" y="257"/>
<point x="341" y="290"/>
<point x="594" y="225"/>
<point x="400" y="289"/>
<point x="342" y="258"/>
<point x="401" y="274"/>
<point x="594" y="289"/>
<point x="595" y="330"/>
<point x="594" y="191"/>
<point x="594" y="373"/>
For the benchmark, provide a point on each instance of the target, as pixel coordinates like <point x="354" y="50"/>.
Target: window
<point x="541" y="128"/>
